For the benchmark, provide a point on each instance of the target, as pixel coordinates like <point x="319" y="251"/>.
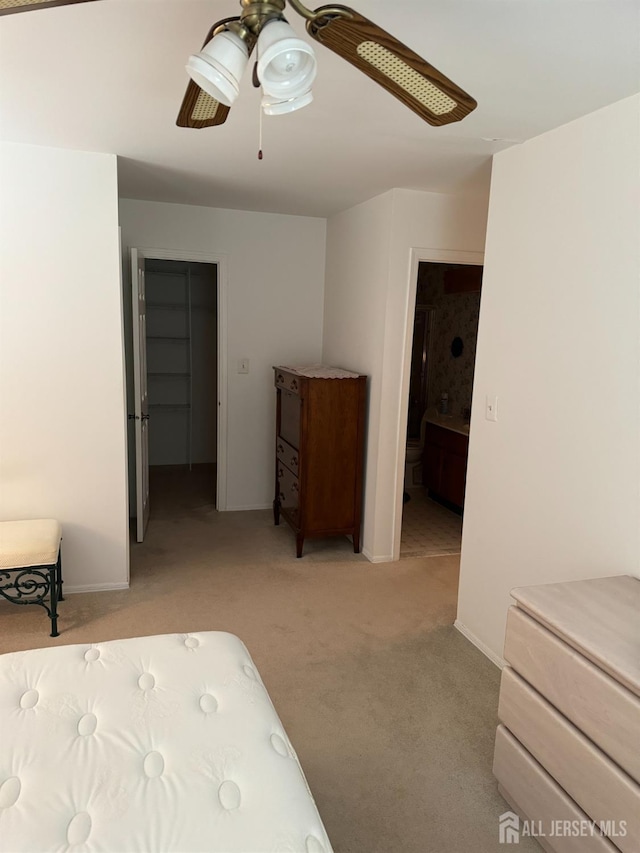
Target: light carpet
<point x="392" y="712"/>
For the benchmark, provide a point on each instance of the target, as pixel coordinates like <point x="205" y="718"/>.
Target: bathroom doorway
<point x="445" y="329"/>
<point x="182" y="373"/>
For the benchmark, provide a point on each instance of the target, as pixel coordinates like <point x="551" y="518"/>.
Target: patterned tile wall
<point x="454" y="315"/>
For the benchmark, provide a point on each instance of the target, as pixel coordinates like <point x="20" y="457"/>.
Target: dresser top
<point x="599" y="617"/>
<point x="321" y="371"/>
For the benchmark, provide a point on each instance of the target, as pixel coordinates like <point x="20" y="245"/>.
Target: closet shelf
<point x="172" y="318"/>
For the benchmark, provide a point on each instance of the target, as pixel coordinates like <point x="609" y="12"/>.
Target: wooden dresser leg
<point x="356" y="541"/>
<point x="299" y="544"/>
<point x="276" y="512"/>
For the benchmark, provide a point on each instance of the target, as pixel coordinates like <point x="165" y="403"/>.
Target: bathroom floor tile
<point x="429" y="529"/>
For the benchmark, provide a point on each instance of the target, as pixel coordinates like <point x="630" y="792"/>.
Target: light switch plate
<point x="243" y="365"/>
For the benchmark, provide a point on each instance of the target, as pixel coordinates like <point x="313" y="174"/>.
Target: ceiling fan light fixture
<point x="219" y="66"/>
<point x="273" y="107"/>
<point x="286" y="64"/>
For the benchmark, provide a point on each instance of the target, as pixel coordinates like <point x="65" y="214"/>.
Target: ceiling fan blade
<point x="412" y="80"/>
<point x="8" y="7"/>
<point x="200" y="110"/>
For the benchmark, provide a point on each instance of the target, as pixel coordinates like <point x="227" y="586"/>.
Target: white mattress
<point x="166" y="743"/>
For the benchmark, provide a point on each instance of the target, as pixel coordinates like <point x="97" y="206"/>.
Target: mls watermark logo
<point x="512" y="829"/>
<point x="509" y="827"/>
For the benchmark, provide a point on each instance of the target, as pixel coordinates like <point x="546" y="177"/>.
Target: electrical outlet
<point x="491" y="411"/>
<point x="243" y="365"/>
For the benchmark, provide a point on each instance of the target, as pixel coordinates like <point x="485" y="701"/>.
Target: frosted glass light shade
<point x="286" y="64"/>
<point x="273" y="107"/>
<point x="219" y="66"/>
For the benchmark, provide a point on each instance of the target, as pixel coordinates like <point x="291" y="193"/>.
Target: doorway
<point x="445" y="329"/>
<point x="177" y="384"/>
<point x="181" y="366"/>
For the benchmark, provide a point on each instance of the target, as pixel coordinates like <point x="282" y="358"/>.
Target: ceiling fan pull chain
<point x="260" y="135"/>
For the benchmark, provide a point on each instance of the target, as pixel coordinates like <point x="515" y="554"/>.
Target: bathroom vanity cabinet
<point x="445" y="463"/>
<point x="320" y="426"/>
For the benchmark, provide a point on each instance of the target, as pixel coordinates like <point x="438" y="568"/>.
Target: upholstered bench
<point x="153" y="744"/>
<point x="31" y="564"/>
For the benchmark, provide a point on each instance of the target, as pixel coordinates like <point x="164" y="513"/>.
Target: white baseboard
<point x="93" y="587"/>
<point x="493" y="657"/>
<point x="246" y="508"/>
<point x="377" y="559"/>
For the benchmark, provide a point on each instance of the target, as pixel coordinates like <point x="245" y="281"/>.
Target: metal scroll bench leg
<point x="31" y="565"/>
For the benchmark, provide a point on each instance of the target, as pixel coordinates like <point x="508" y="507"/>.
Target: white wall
<point x="274" y="314"/>
<point x="354" y="320"/>
<point x="204" y="344"/>
<point x="553" y="486"/>
<point x="62" y="417"/>
<point x="369" y="297"/>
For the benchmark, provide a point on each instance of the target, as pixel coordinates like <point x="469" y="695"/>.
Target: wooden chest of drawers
<point x="320" y="427"/>
<point x="570" y="712"/>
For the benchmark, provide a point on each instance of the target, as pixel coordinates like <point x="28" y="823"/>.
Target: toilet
<point x="413" y="458"/>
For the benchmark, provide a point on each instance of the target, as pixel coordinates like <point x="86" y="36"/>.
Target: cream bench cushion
<point x="29" y="543"/>
<point x="163" y="743"/>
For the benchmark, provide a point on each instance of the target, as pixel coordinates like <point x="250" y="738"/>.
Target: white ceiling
<point x="109" y="76"/>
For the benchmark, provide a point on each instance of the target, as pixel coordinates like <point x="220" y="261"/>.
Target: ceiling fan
<point x="286" y="65"/>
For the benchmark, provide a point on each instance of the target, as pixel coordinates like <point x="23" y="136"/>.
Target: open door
<point x="140" y="392"/>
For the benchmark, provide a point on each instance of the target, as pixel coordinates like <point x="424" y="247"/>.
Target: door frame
<point x="140" y="394"/>
<point x="222" y="263"/>
<point x="416" y="255"/>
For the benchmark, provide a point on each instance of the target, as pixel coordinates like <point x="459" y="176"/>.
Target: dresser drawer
<point x="287" y="455"/>
<point x="288" y="381"/>
<point x="288" y="491"/>
<point x="598" y="786"/>
<point x="530" y="790"/>
<point x="604" y="710"/>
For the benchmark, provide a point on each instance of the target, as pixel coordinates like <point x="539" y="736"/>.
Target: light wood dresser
<point x="568" y="744"/>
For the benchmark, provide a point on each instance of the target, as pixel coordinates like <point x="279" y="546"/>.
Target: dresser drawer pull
<point x="280" y="448"/>
<point x="294" y="460"/>
<point x="280" y="379"/>
<point x="295" y="487"/>
<point x="281" y="497"/>
<point x="280" y="473"/>
<point x="294" y="384"/>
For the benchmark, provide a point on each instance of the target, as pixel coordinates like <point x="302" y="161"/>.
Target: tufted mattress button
<point x="9" y="792"/>
<point x="87" y="724"/>
<point x="79" y="828"/>
<point x="192" y="642"/>
<point x="29" y="699"/>
<point x="278" y="743"/>
<point x="208" y="703"/>
<point x="153" y="765"/>
<point x="313" y="845"/>
<point x="229" y="795"/>
<point x="146" y="681"/>
<point x="91" y="655"/>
